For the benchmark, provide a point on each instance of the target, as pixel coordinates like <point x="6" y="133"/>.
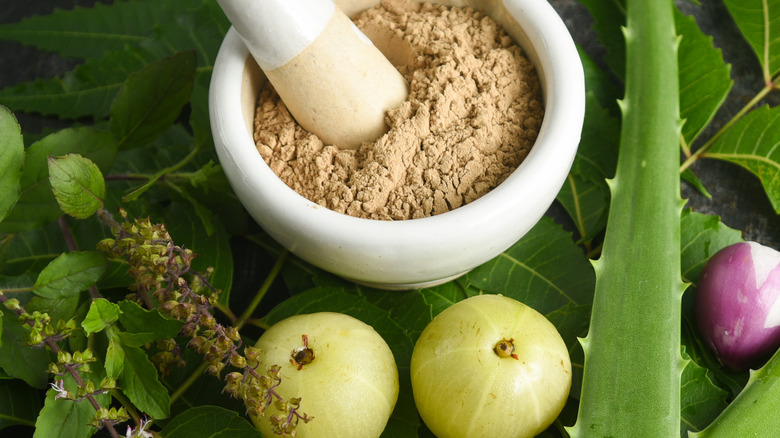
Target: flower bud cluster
<point x="112" y="416"/>
<point x="67" y="361"/>
<point x="40" y="325"/>
<point x="162" y="271"/>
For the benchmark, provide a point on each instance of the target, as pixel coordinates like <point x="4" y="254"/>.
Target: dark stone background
<point x="737" y="196"/>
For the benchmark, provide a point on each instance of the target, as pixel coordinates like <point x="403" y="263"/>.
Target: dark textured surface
<point x="737" y="196"/>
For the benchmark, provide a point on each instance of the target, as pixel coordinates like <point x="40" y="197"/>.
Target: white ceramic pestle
<point x="331" y="77"/>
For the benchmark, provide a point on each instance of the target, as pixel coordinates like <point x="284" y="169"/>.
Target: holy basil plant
<point x="135" y="289"/>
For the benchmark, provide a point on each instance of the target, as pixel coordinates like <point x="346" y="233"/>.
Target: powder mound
<point x="473" y="113"/>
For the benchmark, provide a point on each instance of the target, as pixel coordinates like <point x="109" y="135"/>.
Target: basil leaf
<point x="69" y="274"/>
<point x="209" y="422"/>
<point x="102" y="313"/>
<point x="135" y="319"/>
<point x="11" y="160"/>
<point x="77" y="184"/>
<point x="20" y="360"/>
<point x="140" y="383"/>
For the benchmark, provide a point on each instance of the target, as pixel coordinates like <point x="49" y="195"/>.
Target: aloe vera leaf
<point x="754" y="411"/>
<point x="631" y="383"/>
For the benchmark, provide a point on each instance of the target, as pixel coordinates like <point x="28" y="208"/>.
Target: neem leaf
<point x="704" y="76"/>
<point x="151" y="99"/>
<point x="609" y="19"/>
<point x="585" y="195"/>
<point x="37" y="205"/>
<point x="77" y="184"/>
<point x="688" y="176"/>
<point x="19" y="404"/>
<point x="209" y="422"/>
<point x="11" y="160"/>
<point x="700" y="400"/>
<point x="20" y="360"/>
<point x="544" y="270"/>
<point x="600" y="84"/>
<point x="140" y="383"/>
<point x="759" y="22"/>
<point x="102" y="313"/>
<point x="587" y="203"/>
<point x="597" y="153"/>
<point x="136" y="319"/>
<point x="705" y="79"/>
<point x="86" y="91"/>
<point x="702" y="236"/>
<point x="752" y="143"/>
<point x="89" y="32"/>
<point x="69" y="274"/>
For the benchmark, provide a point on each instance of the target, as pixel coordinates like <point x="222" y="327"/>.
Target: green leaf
<point x="752" y="143"/>
<point x="587" y="203"/>
<point x="77" y="184"/>
<point x="61" y="308"/>
<point x="37" y="205"/>
<point x="140" y="383"/>
<point x="585" y="195"/>
<point x="609" y="18"/>
<point x="532" y="271"/>
<point x="700" y="400"/>
<point x="86" y="91"/>
<point x="688" y="176"/>
<point x="89" y="32"/>
<point x="115" y="357"/>
<point x="151" y="99"/>
<point x="18" y="359"/>
<point x="599" y="84"/>
<point x="69" y="274"/>
<point x="136" y="319"/>
<point x="703" y="75"/>
<point x="19" y="404"/>
<point x="759" y="22"/>
<point x="68" y="419"/>
<point x="597" y="153"/>
<point x="11" y="160"/>
<point x="102" y="313"/>
<point x="89" y="89"/>
<point x="209" y="422"/>
<point x="702" y="236"/>
<point x="705" y="79"/>
<point x="28" y="252"/>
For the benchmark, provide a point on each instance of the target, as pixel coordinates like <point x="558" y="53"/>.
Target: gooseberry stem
<point x="506" y="348"/>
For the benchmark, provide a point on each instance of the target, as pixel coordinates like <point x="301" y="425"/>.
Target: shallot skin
<point x="738" y="304"/>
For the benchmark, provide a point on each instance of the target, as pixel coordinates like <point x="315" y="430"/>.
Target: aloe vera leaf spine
<point x="631" y="383"/>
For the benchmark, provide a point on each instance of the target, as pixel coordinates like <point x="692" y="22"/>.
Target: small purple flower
<point x="59" y="386"/>
<point x="140" y="432"/>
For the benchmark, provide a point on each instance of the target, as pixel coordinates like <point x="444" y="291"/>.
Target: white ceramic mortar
<point x="419" y="252"/>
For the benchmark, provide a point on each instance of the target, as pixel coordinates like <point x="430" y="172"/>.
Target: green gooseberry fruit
<point x="490" y="366"/>
<point x="340" y="367"/>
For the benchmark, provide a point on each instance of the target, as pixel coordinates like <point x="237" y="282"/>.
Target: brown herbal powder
<point x="472" y="115"/>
